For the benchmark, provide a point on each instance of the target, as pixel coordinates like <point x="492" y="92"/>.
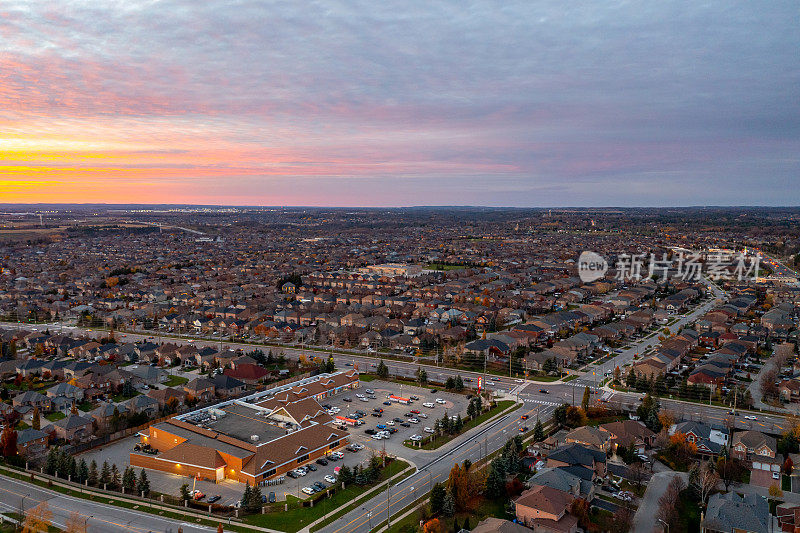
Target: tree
<point x="37" y="519"/>
<point x="382" y="370"/>
<point x="775" y="491"/>
<point x="788" y="466"/>
<point x="638" y="472"/>
<point x="129" y="479"/>
<point x="255" y="498"/>
<point x="538" y="431"/>
<point x="630" y="379"/>
<point x="703" y="479"/>
<point x="579" y="508"/>
<point x="668" y="502"/>
<point x="105" y="474"/>
<point x="450" y="383"/>
<point x="143" y="485"/>
<point x="8" y="441"/>
<point x="622" y="520"/>
<point x="448" y="505"/>
<point x="560" y="414"/>
<point x="585" y="402"/>
<point x="246" y="497"/>
<point x="75" y="523"/>
<point x="36" y="423"/>
<point x="184" y="492"/>
<point x="617" y="374"/>
<point x="219" y="528"/>
<point x="437" y="498"/>
<point x="576" y="417"/>
<point x="82" y="472"/>
<point x="495" y="481"/>
<point x="422" y="376"/>
<point x="116" y="481"/>
<point x="459" y="383"/>
<point x="471" y="410"/>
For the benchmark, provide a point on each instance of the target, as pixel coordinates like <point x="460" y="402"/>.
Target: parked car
<point x="322" y="461"/>
<point x="405" y="424"/>
<point x="292" y="474"/>
<point x="330" y="479"/>
<point x="387" y="402"/>
<point x="422" y="415"/>
<point x="414" y="420"/>
<point x="428" y="429"/>
<point x="319" y="485"/>
<point x="311" y="467"/>
<point x="214" y="498"/>
<point x="347" y="399"/>
<point x="440" y="400"/>
<point x="308" y="490"/>
<point x="416" y="438"/>
<point x="429" y="405"/>
<point x="271" y="498"/>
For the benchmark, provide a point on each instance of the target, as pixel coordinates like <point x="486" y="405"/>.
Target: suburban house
<point x="630" y="432"/>
<point x="543" y="508"/>
<point x="731" y="513"/>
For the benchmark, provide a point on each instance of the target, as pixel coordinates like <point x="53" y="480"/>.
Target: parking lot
<point x="119" y="453"/>
<point x="394" y="414"/>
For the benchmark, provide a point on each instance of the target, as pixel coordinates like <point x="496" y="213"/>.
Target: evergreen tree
<point x="92" y="477"/>
<point x="62" y="467"/>
<point x="382" y="370"/>
<point x="184" y="492"/>
<point x="495" y="481"/>
<point x="437" y="498"/>
<point x="105" y="474"/>
<point x="459" y="383"/>
<point x="246" y="497"/>
<point x="471" y="410"/>
<point x="129" y="479"/>
<point x="630" y="379"/>
<point x="450" y="383"/>
<point x="538" y="431"/>
<point x="51" y="463"/>
<point x="448" y="505"/>
<point x="83" y="472"/>
<point x="115" y="477"/>
<point x="255" y="498"/>
<point x="585" y="402"/>
<point x="459" y="425"/>
<point x="143" y="485"/>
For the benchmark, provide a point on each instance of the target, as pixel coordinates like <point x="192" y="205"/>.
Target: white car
<point x="416" y="438"/>
<point x="340" y="455"/>
<point x="359" y="396"/>
<point x="414" y="420"/>
<point x="491" y="383"/>
<point x="429" y="405"/>
<point x="422" y="415"/>
<point x="390" y="423"/>
<point x="519" y="381"/>
<point x="308" y="490"/>
<point x="428" y="430"/>
<point x="750" y="417"/>
<point x="330" y="479"/>
<point x="363" y="399"/>
<point x="300" y="472"/>
<point x="378" y="436"/>
<point x="439" y="400"/>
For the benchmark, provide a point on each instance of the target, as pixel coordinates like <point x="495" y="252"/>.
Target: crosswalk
<point x="540" y="402"/>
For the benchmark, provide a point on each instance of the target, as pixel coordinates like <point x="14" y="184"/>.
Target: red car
<point x="416" y="412"/>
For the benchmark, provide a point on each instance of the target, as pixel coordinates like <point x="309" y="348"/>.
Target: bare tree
<point x="638" y="473"/>
<point x="768" y="388"/>
<point x="704" y="479"/>
<point x="668" y="502"/>
<point x="730" y="470"/>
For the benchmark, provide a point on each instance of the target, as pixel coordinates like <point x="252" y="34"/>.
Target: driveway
<point x="644" y="521"/>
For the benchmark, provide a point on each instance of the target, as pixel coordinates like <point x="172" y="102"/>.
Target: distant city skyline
<point x="519" y="104"/>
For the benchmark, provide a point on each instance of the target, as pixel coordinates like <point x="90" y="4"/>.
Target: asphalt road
<point x="16" y="496"/>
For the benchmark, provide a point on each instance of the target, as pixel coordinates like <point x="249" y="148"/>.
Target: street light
<point x="665" y="524"/>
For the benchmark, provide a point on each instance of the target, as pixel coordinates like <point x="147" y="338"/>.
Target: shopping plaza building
<point x="250" y="439"/>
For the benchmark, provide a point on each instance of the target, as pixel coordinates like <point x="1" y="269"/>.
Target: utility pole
<point x="388" y="512"/>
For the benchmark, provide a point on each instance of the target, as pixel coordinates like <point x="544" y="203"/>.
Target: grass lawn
<point x="688" y="512"/>
<point x="58" y="415"/>
<point x="440" y="440"/>
<point x="545" y="379"/>
<point x="298" y="517"/>
<point x="85" y="406"/>
<point x="174" y="381"/>
<point x="570" y="377"/>
<point x="121" y="397"/>
<point x="485" y="508"/>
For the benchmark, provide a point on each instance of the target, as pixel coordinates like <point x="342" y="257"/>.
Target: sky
<point x="414" y="102"/>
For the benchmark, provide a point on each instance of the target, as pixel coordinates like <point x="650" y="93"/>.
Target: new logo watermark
<point x="688" y="267"/>
<point x="591" y="266"/>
